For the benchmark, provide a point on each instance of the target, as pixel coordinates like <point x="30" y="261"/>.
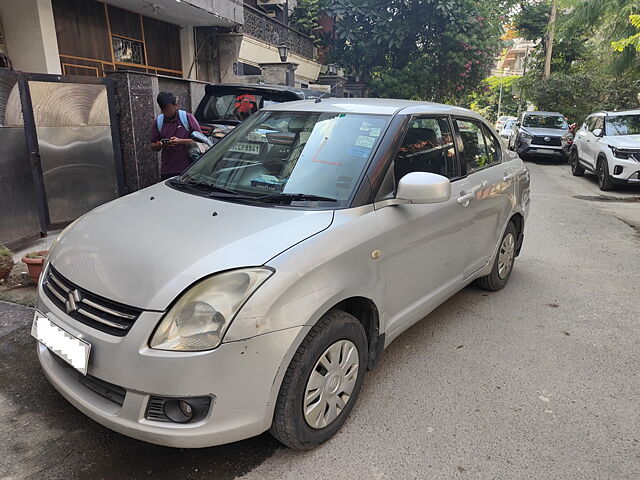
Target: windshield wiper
<point x="293" y="197"/>
<point x="213" y="190"/>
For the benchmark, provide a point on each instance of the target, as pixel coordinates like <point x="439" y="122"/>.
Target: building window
<point x="128" y="51"/>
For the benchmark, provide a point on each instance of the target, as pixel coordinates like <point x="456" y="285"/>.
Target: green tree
<point x="486" y="98"/>
<point x="429" y="50"/>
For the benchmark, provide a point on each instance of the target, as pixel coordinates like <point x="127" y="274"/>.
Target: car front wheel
<point x="604" y="179"/>
<point x="322" y="382"/>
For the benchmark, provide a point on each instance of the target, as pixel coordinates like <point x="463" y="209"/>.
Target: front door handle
<point x="466" y="198"/>
<point x="508" y="176"/>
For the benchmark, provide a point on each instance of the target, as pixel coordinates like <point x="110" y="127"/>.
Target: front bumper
<point x="624" y="171"/>
<point x="242" y="378"/>
<point x="525" y="148"/>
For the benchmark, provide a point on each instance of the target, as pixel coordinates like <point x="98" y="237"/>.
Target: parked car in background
<point x="313" y="235"/>
<point x="224" y="106"/>
<point x="541" y="134"/>
<point x="501" y="121"/>
<point x="608" y="144"/>
<point x="507" y="128"/>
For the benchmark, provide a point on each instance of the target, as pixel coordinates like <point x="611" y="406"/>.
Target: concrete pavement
<point x="539" y="380"/>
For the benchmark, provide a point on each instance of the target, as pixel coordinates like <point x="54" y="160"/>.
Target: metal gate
<point x="59" y="151"/>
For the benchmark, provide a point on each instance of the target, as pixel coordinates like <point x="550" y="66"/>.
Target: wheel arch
<point x="518" y="221"/>
<point x="366" y="311"/>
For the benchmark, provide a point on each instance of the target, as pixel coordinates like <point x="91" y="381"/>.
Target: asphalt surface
<point x="539" y="380"/>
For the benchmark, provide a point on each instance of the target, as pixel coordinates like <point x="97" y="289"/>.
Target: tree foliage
<point x="429" y="49"/>
<point x="486" y="98"/>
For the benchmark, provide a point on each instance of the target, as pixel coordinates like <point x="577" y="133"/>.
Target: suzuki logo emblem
<point x="547" y="139"/>
<point x="73" y="298"/>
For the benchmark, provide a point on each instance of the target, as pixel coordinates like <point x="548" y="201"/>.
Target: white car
<point x="507" y="128"/>
<point x="501" y="121"/>
<point x="608" y="144"/>
<point x="254" y="291"/>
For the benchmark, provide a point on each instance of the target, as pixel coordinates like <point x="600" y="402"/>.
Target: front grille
<point x="553" y="141"/>
<point x="88" y="308"/>
<point x="106" y="390"/>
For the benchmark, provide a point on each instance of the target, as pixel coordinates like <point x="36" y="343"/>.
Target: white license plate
<point x="252" y="148"/>
<point x="71" y="349"/>
<point x="546" y="151"/>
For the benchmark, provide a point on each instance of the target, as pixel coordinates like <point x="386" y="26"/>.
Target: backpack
<point x="182" y="115"/>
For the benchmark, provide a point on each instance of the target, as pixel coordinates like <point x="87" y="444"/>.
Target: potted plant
<point x="35" y="261"/>
<point x="6" y="262"/>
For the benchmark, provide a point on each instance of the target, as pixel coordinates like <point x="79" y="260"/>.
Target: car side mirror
<point x="424" y="187"/>
<point x="201" y="138"/>
<point x="597" y="132"/>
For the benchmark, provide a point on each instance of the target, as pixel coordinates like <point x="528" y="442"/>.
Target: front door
<point x="424" y="245"/>
<point x="490" y="187"/>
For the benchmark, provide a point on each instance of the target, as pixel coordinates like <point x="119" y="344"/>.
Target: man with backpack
<point x="170" y="134"/>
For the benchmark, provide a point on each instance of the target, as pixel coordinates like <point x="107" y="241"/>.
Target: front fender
<point x="315" y="275"/>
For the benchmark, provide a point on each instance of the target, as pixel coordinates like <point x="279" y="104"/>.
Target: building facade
<point x="209" y="40"/>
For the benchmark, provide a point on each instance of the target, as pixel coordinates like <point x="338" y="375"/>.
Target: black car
<point x="224" y="106"/>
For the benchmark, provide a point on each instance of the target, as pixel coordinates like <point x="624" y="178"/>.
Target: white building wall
<point x="30" y="35"/>
<point x="254" y="52"/>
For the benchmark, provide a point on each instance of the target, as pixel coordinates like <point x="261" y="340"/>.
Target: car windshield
<point x="623" y="125"/>
<point x="508" y="124"/>
<point x="293" y="157"/>
<point x="544" y="121"/>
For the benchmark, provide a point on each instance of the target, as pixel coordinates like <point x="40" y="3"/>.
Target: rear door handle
<point x="508" y="176"/>
<point x="466" y="198"/>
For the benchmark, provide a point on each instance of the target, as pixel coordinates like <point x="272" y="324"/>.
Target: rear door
<point x="490" y="190"/>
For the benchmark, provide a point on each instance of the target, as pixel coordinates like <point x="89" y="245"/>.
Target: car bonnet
<point x="144" y="249"/>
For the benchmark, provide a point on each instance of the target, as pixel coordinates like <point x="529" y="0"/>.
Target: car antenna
<point x="328" y="92"/>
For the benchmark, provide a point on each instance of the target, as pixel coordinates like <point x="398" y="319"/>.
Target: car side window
<point x="598" y="123"/>
<point x="493" y="147"/>
<point x="475" y="153"/>
<point x="427" y="147"/>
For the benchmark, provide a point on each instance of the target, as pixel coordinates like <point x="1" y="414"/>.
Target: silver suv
<point x="541" y="134"/>
<point x="254" y="291"/>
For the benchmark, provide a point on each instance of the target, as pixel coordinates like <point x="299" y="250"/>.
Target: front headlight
<point x="201" y="316"/>
<point x="625" y="153"/>
<point x="526" y="135"/>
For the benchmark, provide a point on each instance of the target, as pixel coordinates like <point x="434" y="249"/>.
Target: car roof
<point x="301" y="92"/>
<point x="543" y="113"/>
<point x="372" y="106"/>
<point x="617" y="112"/>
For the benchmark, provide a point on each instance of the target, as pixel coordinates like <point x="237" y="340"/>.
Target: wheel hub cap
<point x="506" y="255"/>
<point x="331" y="384"/>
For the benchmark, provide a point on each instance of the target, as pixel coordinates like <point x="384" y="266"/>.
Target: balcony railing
<point x="258" y="25"/>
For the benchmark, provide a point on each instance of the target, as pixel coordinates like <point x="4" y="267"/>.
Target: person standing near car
<point x="170" y="133"/>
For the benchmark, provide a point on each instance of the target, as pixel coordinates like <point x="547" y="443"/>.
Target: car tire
<point x="503" y="263"/>
<point x="577" y="170"/>
<point x="602" y="172"/>
<point x="308" y="368"/>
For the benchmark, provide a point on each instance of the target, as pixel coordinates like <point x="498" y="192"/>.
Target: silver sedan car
<point x="254" y="291"/>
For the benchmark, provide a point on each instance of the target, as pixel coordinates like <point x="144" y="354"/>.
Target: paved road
<point x="540" y="380"/>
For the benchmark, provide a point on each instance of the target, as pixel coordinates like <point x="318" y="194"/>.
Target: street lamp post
<point x="504" y="70"/>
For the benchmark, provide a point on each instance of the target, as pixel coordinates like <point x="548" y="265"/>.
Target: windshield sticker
<point x="365" y="126"/>
<point x="359" y="152"/>
<point x="374" y="132"/>
<point x="364" y="141"/>
<point x="327" y="163"/>
<point x="344" y="182"/>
